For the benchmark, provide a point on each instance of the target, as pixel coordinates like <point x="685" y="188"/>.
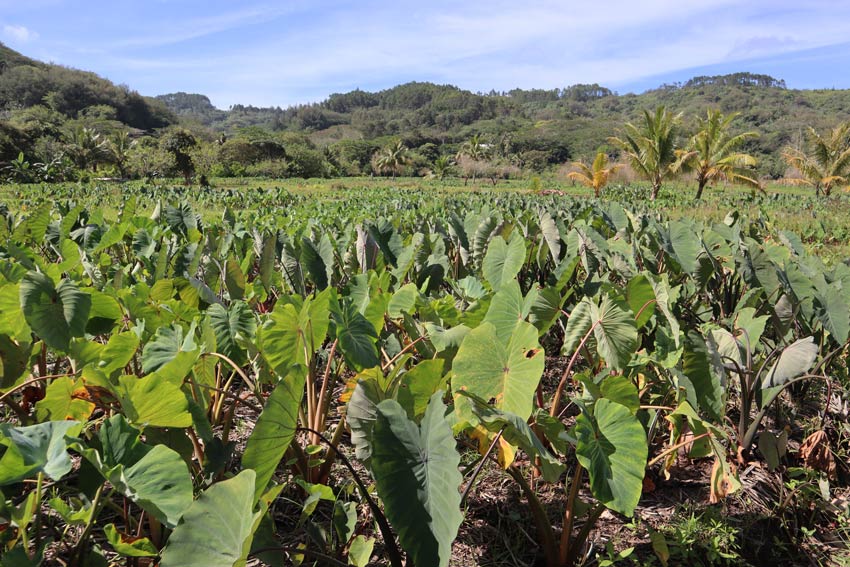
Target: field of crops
<point x="402" y="372"/>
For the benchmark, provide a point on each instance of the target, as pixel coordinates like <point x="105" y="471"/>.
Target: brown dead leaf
<point x="816" y="453"/>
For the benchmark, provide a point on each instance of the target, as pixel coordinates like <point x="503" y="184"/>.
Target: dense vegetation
<point x="350" y="376"/>
<point x="51" y="114"/>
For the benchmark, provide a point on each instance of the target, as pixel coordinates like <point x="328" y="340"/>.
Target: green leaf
<point x="615" y="332"/>
<point x="360" y="551"/>
<point x="418" y="385"/>
<point x="217" y="529"/>
<point x="796" y="359"/>
<point x="416" y="475"/>
<point x="503" y="261"/>
<point x="159" y="483"/>
<point x="291" y="330"/>
<point x="508" y="373"/>
<point x="127" y="545"/>
<point x="168" y="342"/>
<point x="228" y="323"/>
<point x="706" y="372"/>
<point x="275" y="428"/>
<point x="153" y="401"/>
<point x="357" y="337"/>
<point x="640" y="296"/>
<point x="36" y="448"/>
<point x="60" y="402"/>
<point x="55" y="314"/>
<point x="612" y="447"/>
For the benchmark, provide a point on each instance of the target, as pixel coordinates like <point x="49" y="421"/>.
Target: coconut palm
<point x="712" y="154"/>
<point x="392" y="158"/>
<point x="824" y="162"/>
<point x="441" y="168"/>
<point x="651" y="148"/>
<point x="596" y="175"/>
<point x="120" y="146"/>
<point x="86" y="148"/>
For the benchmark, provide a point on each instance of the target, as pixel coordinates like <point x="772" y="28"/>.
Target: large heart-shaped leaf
<point x="230" y="322"/>
<point x="612" y="326"/>
<point x="416" y="474"/>
<point x="217" y="529"/>
<point x="503" y="261"/>
<point x="55" y="314"/>
<point x="795" y="360"/>
<point x="508" y="373"/>
<point x="612" y="447"/>
<point x="36" y="448"/>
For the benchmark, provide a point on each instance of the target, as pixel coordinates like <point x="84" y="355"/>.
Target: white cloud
<point x="21" y="34"/>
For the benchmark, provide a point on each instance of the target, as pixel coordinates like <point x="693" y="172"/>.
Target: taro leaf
<point x="55" y="314"/>
<point x="418" y="385"/>
<point x="545" y="309"/>
<point x="503" y="261"/>
<point x="228" y="322"/>
<point x="63" y="400"/>
<point x="795" y="360"/>
<point x="159" y="483"/>
<point x="36" y="448"/>
<point x="14" y="359"/>
<point x="217" y="529"/>
<point x="318" y="258"/>
<point x="360" y="551"/>
<point x="357" y="337"/>
<point x="128" y="545"/>
<point x="506" y="372"/>
<point x="168" y="342"/>
<point x="615" y="332"/>
<point x="506" y="310"/>
<point x="832" y="310"/>
<point x="703" y="367"/>
<point x="361" y="413"/>
<point x="344" y="519"/>
<point x="612" y="447"/>
<point x="290" y="331"/>
<point x="416" y="475"/>
<point x="640" y="296"/>
<point x="275" y="428"/>
<point x="234" y="279"/>
<point x="683" y="244"/>
<point x="267" y="258"/>
<point x="153" y="401"/>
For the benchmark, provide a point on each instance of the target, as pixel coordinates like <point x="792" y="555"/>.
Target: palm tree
<point x="471" y="153"/>
<point x="651" y="149"/>
<point x="119" y="150"/>
<point x="824" y="163"/>
<point x="596" y="176"/>
<point x="441" y="168"/>
<point x="86" y="148"/>
<point x="474" y="149"/>
<point x="711" y="153"/>
<point x="392" y="158"/>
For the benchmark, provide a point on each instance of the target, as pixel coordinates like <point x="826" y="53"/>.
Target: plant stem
<point x="544" y="528"/>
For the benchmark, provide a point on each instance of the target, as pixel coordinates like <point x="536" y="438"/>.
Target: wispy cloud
<point x="21" y="34"/>
<point x="259" y="52"/>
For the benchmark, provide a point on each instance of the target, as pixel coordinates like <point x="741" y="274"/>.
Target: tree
<point x="178" y="143"/>
<point x="596" y="176"/>
<point x="712" y="154"/>
<point x="471" y="155"/>
<point x="823" y="162"/>
<point x="441" y="168"/>
<point x="119" y="147"/>
<point x="86" y="148"/>
<point x="392" y="158"/>
<point x="651" y="148"/>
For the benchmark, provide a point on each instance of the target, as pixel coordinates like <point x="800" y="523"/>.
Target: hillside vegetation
<point x="43" y="106"/>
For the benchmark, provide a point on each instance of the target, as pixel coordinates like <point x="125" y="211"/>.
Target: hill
<point x="534" y="129"/>
<point x="572" y="122"/>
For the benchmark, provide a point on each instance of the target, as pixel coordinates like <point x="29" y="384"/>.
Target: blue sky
<point x="282" y="53"/>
